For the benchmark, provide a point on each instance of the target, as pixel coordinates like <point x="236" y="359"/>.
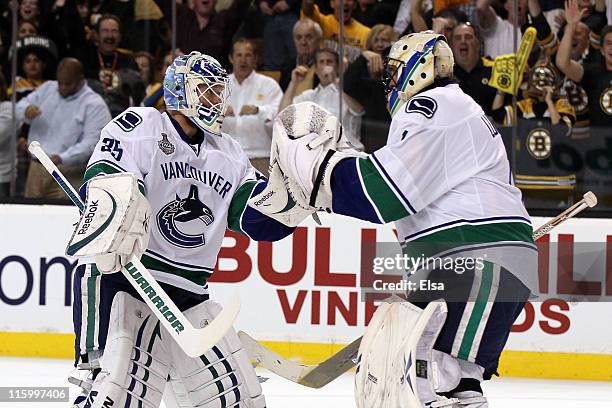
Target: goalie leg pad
<point x="222" y="377"/>
<point x="135" y="363"/>
<point x="397" y="366"/>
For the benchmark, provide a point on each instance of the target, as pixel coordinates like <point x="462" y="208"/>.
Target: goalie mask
<point x="197" y="86"/>
<point x="413" y="63"/>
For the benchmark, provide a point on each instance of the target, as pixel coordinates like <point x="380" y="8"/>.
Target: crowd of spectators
<point x="81" y="62"/>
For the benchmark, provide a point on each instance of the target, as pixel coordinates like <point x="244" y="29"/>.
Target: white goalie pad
<point x="222" y="377"/>
<point x="135" y="363"/>
<point x="396" y="366"/>
<point x="307" y="143"/>
<point x="114" y="223"/>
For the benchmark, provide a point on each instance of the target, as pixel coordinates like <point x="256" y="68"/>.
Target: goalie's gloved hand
<point x="309" y="142"/>
<point x="114" y="224"/>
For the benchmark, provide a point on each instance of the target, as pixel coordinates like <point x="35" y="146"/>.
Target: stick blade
<point x="195" y="342"/>
<point x="272" y="361"/>
<point x="313" y="376"/>
<point x="333" y="367"/>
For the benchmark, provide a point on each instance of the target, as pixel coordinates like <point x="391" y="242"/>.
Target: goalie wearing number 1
<point x="164" y="186"/>
<point x="444" y="179"/>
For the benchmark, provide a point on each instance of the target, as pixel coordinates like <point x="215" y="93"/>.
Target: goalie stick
<point x="318" y="375"/>
<point x="194" y="341"/>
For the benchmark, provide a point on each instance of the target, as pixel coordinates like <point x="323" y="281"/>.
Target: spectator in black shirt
<point x="595" y="78"/>
<point x="102" y="62"/>
<point x="111" y="71"/>
<point x="61" y="22"/>
<point x="472" y="70"/>
<point x="203" y="29"/>
<point x="372" y="12"/>
<point x="362" y="83"/>
<point x="279" y="17"/>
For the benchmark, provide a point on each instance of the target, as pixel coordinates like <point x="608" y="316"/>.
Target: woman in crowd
<point x="146" y="65"/>
<point x="30" y="75"/>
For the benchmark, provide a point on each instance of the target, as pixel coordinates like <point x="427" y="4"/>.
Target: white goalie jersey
<point x="471" y="196"/>
<point x="190" y="188"/>
<point x="445" y="180"/>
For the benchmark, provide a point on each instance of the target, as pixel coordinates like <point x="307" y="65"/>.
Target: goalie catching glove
<point x="307" y="144"/>
<point x="114" y="224"/>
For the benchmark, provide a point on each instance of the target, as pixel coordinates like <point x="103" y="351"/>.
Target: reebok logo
<point x="91" y="211"/>
<point x="264" y="198"/>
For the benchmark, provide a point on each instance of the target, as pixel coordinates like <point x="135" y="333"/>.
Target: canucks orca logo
<point x="180" y="221"/>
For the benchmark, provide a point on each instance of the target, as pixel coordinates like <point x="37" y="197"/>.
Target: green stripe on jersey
<point x="98" y="168"/>
<point x="198" y="277"/>
<point x="490" y="232"/>
<point x="238" y="204"/>
<point x="381" y="195"/>
<point x="461" y="235"/>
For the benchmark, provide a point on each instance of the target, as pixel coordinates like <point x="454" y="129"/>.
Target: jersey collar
<point x="194" y="142"/>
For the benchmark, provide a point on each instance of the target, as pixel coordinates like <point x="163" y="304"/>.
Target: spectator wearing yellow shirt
<point x="355" y="33"/>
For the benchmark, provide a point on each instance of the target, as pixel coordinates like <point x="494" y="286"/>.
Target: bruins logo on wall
<point x="539" y="144"/>
<point x="606" y="101"/>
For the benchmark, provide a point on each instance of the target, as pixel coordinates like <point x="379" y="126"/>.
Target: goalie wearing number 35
<point x="164" y="186"/>
<point x="444" y="179"/>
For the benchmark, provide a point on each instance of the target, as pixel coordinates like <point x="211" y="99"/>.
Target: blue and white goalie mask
<point x="197" y="86"/>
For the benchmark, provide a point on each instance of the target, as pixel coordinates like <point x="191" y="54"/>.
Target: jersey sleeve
<point x="420" y="163"/>
<point x="124" y="146"/>
<point x="245" y="219"/>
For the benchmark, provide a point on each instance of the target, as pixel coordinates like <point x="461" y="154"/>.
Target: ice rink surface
<point x="280" y="393"/>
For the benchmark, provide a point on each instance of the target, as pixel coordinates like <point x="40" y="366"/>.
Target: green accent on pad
<point x="238" y="204"/>
<point x="477" y="312"/>
<point x="91" y="307"/>
<point x="198" y="277"/>
<point x="72" y="249"/>
<point x="381" y="194"/>
<point x="156" y="333"/>
<point x="101" y="168"/>
<point x="219" y="384"/>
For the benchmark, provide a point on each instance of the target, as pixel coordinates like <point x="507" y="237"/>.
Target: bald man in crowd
<point x="65" y="117"/>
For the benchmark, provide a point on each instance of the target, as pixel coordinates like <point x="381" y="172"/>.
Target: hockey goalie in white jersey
<point x="444" y="179"/>
<point x="190" y="182"/>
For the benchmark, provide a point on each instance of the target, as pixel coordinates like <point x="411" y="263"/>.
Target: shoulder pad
<point x="422" y="104"/>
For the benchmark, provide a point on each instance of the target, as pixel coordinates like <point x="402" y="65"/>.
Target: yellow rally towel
<point x="147" y="10"/>
<point x="503" y="76"/>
